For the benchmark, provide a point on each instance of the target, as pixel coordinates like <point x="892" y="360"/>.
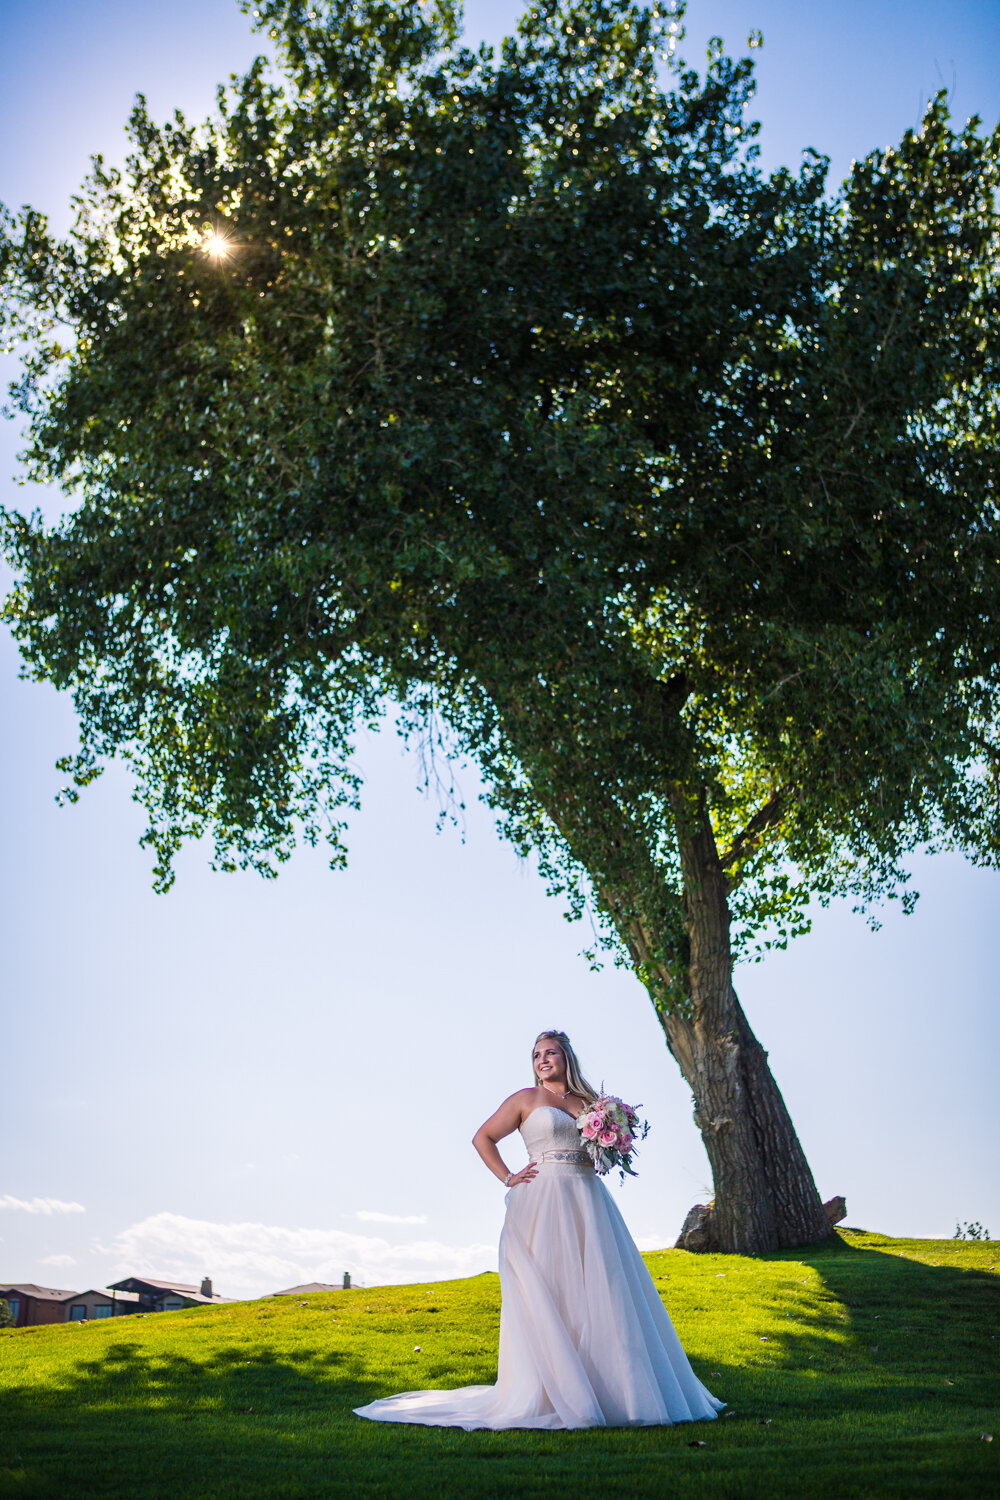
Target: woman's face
<point x="549" y="1061"/>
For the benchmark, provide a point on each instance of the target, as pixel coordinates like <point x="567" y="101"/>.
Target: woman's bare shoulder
<point x="516" y="1104"/>
<point x="522" y="1095"/>
<point x="508" y="1116"/>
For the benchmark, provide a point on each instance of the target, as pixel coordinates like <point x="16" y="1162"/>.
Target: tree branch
<point x="749" y="839"/>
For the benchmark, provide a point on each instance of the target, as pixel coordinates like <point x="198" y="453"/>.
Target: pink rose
<point x="590" y="1130"/>
<point x="608" y="1138"/>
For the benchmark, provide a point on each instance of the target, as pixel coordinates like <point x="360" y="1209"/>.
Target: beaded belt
<point x="578" y="1158"/>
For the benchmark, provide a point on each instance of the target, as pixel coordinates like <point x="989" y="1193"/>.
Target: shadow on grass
<point x="889" y="1331"/>
<point x="130" y="1421"/>
<point x="136" y="1423"/>
<point x="235" y="1381"/>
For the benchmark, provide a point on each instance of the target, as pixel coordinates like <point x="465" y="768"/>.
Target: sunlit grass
<point x="867" y="1367"/>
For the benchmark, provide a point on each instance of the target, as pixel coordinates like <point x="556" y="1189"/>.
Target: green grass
<point x="866" y="1367"/>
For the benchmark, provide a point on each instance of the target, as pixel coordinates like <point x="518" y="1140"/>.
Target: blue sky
<point x="272" y="1083"/>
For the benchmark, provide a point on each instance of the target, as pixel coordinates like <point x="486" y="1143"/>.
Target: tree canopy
<point x="506" y="386"/>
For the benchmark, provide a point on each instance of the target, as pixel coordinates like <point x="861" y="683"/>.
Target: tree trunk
<point x="765" y="1196"/>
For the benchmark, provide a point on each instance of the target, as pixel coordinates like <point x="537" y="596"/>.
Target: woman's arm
<point x="503" y="1123"/>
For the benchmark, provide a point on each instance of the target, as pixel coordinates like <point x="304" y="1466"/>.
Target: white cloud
<point x="372" y="1216"/>
<point x="250" y="1259"/>
<point x="58" y="1260"/>
<point x="654" y="1241"/>
<point x="40" y="1205"/>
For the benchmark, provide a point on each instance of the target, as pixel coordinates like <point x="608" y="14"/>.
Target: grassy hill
<point x="867" y="1367"/>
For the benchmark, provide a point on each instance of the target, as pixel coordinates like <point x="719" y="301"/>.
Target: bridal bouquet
<point x="610" y="1130"/>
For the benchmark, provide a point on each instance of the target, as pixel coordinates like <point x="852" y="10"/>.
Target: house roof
<point x="40" y="1293"/>
<point x="153" y="1284"/>
<point x="158" y="1288"/>
<point x="97" y="1291"/>
<point x="306" y="1288"/>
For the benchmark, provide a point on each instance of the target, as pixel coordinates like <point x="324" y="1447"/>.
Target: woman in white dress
<point x="584" y="1339"/>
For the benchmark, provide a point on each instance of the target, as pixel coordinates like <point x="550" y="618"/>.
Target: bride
<point x="584" y="1338"/>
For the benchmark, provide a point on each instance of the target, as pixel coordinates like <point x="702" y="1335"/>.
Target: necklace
<point x="558" y="1095"/>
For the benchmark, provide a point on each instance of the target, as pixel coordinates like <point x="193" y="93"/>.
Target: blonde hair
<point x="575" y="1081"/>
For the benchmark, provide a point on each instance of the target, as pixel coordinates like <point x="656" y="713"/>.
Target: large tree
<point x="506" y="387"/>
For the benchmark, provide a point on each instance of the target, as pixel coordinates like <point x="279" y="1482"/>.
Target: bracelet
<point x="506" y="1181"/>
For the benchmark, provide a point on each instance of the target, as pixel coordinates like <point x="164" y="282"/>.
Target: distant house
<point x="95" y="1303"/>
<point x="305" y="1289"/>
<point x="31" y="1304"/>
<point x="154" y="1295"/>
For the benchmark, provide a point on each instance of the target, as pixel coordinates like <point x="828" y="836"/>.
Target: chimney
<point x="206" y="1286"/>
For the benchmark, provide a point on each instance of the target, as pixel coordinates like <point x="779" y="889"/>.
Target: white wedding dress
<point x="584" y="1339"/>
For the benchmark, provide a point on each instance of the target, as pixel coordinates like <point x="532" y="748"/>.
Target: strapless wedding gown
<point x="584" y="1338"/>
